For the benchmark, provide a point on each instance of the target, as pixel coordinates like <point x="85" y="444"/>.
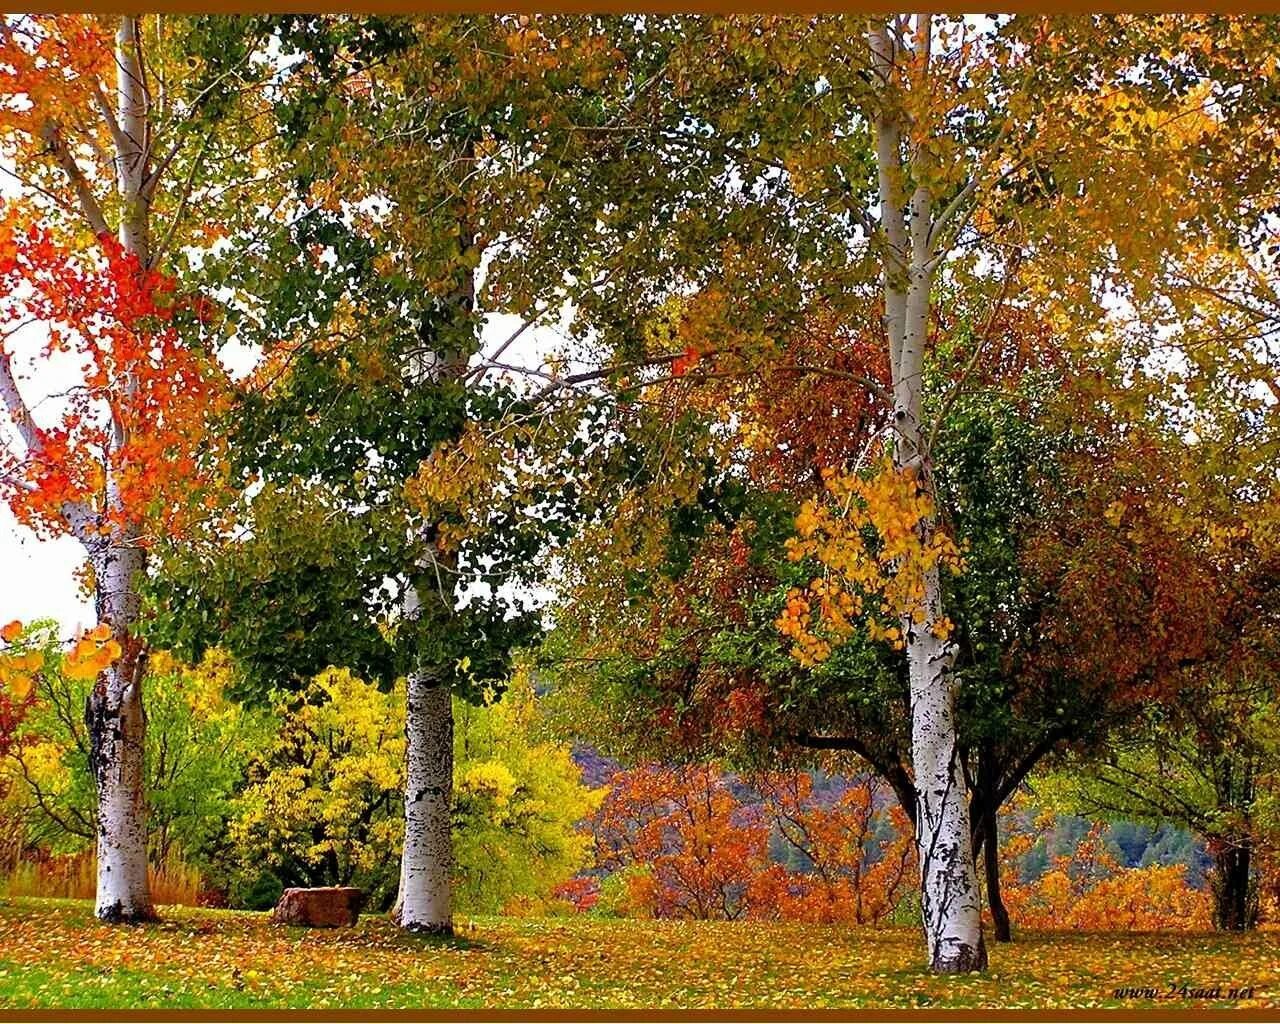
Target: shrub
<point x="1087" y="889"/>
<point x="324" y="805"/>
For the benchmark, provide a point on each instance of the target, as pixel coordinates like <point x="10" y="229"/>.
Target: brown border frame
<point x="626" y="1016"/>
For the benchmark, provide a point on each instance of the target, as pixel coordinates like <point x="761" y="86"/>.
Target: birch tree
<point x="915" y="232"/>
<point x="104" y="139"/>
<point x="425" y="897"/>
<point x="357" y="388"/>
<point x="728" y="189"/>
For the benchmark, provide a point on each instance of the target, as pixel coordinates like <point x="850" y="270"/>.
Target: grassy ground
<point x="54" y="953"/>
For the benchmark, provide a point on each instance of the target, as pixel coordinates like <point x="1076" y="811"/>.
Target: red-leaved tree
<point x="119" y="453"/>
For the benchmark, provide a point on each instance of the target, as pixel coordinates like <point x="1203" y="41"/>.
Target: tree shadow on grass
<point x="419" y="940"/>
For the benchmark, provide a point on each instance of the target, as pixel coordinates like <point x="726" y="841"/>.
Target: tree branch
<point x="19" y="411"/>
<point x="52" y="135"/>
<point x="109" y="116"/>
<point x="892" y="770"/>
<point x="181" y="210"/>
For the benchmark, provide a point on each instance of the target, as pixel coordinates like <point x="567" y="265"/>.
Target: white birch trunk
<point x="114" y="712"/>
<point x="117" y="730"/>
<point x="425" y="902"/>
<point x="950" y="903"/>
<point x="951" y="909"/>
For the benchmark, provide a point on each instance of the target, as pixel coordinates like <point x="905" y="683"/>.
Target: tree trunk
<point x="951" y="910"/>
<point x="1235" y="907"/>
<point x="984" y="810"/>
<point x="116" y="725"/>
<point x="114" y="713"/>
<point x="991" y="860"/>
<point x="950" y="907"/>
<point x="424" y="903"/>
<point x="132" y="143"/>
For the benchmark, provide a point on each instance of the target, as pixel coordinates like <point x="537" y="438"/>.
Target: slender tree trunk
<point x="132" y="142"/>
<point x="424" y="902"/>
<point x="950" y="903"/>
<point x="1234" y="909"/>
<point x="991" y="861"/>
<point x="985" y="809"/>
<point x="114" y="715"/>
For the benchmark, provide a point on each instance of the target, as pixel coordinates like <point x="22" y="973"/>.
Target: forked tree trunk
<point x="114" y="714"/>
<point x="424" y="902"/>
<point x="951" y="910"/>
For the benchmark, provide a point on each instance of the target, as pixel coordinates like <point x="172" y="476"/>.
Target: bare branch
<point x="183" y="198"/>
<point x="950" y="211"/>
<point x="52" y="135"/>
<point x="19" y="411"/>
<point x="109" y="116"/>
<point x="490" y="362"/>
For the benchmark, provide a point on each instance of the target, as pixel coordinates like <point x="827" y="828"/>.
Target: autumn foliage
<point x="18" y="663"/>
<point x="693" y="843"/>
<point x="862" y="853"/>
<point x="54" y="66"/>
<point x="1087" y="889"/>
<point x="690" y="842"/>
<point x="691" y="848"/>
<point x="140" y="416"/>
<point x="878" y="580"/>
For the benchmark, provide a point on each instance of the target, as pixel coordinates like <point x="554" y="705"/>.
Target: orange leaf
<point x="686" y="362"/>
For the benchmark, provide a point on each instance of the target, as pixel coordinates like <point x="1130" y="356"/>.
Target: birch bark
<point x="426" y="864"/>
<point x="114" y="714"/>
<point x="950" y="903"/>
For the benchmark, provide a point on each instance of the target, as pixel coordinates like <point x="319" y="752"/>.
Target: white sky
<point x="37" y="577"/>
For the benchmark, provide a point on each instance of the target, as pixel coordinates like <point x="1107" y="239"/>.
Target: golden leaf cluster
<point x="877" y="540"/>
